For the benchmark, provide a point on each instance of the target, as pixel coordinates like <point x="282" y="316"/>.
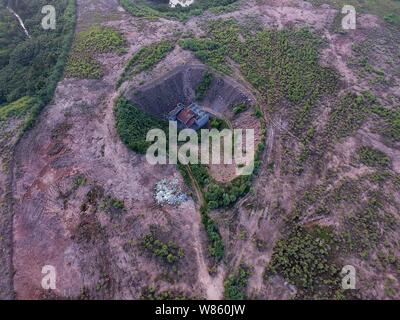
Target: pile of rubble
<point x="168" y="192"/>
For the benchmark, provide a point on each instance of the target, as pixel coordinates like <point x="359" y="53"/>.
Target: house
<point x="192" y="117"/>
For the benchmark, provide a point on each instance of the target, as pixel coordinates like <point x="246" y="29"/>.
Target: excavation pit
<point x="179" y="86"/>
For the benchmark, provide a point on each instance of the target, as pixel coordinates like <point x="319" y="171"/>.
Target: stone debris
<point x="167" y="191"/>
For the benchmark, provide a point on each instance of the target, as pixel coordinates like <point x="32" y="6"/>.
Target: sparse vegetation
<point x="82" y="62"/>
<point x="146" y="58"/>
<point x="204" y="85"/>
<point x="391" y="122"/>
<point x="113" y="206"/>
<point x="153" y="293"/>
<point x="348" y="115"/>
<point x="364" y="226"/>
<point x="282" y="65"/>
<point x="305" y="258"/>
<point x="372" y="157"/>
<point x="389" y="10"/>
<point x="169" y="252"/>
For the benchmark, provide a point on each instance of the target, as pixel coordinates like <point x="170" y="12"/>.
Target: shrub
<point x="373" y="158"/>
<point x="236" y="284"/>
<point x="168" y="251"/>
<point x="203" y="87"/>
<point x="216" y="245"/>
<point x="240" y="108"/>
<point x="305" y="258"/>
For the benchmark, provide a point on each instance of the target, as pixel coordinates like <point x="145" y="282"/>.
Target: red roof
<point x="187" y="116"/>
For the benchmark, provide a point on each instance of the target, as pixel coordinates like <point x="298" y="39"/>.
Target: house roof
<point x="187" y="116"/>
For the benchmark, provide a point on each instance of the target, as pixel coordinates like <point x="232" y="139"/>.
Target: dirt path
<point x="214" y="286"/>
<point x="256" y="214"/>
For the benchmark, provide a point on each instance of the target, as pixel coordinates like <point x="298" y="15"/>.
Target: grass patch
<point x="17" y="108"/>
<point x="391" y="122"/>
<point x="373" y="158"/>
<point x="219" y="124"/>
<point x="113" y="206"/>
<point x="97" y="39"/>
<point x="348" y="115"/>
<point x="146" y="58"/>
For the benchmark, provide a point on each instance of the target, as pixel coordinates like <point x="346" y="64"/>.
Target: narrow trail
<point x="257" y="214"/>
<point x="214" y="287"/>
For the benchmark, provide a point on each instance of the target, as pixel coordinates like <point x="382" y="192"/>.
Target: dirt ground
<point x="97" y="256"/>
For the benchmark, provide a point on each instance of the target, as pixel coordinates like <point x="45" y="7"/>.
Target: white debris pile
<point x="169" y="192"/>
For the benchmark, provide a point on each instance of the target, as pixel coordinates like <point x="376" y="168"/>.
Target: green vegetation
<point x="349" y="114"/>
<point x="97" y="39"/>
<point x="236" y="284"/>
<point x="146" y="58"/>
<point x="305" y="259"/>
<point x="373" y="157"/>
<point x="219" y="124"/>
<point x="133" y="125"/>
<point x="113" y="206"/>
<point x="17" y="108"/>
<point x="32" y="67"/>
<point x="79" y="181"/>
<point x="218" y="195"/>
<point x="152" y="293"/>
<point x="363" y="229"/>
<point x="216" y="245"/>
<point x="209" y="52"/>
<point x="389" y="10"/>
<point x="149" y="9"/>
<point x="169" y="252"/>
<point x="391" y="122"/>
<point x="204" y="85"/>
<point x="282" y="65"/>
<point x="240" y="108"/>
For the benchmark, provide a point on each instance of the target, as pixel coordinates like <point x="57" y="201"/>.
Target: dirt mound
<point x="179" y="86"/>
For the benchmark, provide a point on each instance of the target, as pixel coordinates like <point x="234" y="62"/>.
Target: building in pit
<point x="193" y="116"/>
